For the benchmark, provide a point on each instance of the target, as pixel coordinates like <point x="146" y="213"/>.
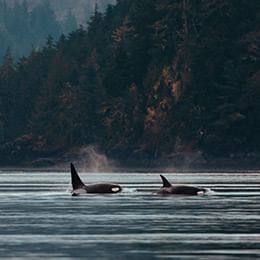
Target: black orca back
<point x="168" y="188"/>
<point x="75" y="179"/>
<point x="103" y="188"/>
<point x="187" y="190"/>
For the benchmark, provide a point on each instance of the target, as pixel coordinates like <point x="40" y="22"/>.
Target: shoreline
<point x="216" y="166"/>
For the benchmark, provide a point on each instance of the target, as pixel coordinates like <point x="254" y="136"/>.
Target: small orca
<point x="80" y="188"/>
<point x="168" y="188"/>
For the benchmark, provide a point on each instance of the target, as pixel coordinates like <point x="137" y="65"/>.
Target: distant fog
<point x="81" y="9"/>
<point x="27" y="23"/>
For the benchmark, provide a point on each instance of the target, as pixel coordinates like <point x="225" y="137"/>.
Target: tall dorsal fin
<point x="75" y="179"/>
<point x="166" y="183"/>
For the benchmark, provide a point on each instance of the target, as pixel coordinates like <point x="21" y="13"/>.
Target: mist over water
<point x="40" y="218"/>
<point x="92" y="160"/>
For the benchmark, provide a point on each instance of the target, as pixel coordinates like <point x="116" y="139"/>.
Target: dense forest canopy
<point x="147" y="79"/>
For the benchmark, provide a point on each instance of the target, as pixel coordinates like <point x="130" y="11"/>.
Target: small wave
<point x="209" y="191"/>
<point x="129" y="190"/>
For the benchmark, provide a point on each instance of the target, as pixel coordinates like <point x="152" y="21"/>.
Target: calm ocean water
<point x="40" y="219"/>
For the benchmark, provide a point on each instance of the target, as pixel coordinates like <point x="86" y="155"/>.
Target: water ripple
<point x="39" y="218"/>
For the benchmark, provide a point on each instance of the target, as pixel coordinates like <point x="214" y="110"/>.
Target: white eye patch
<point x="115" y="189"/>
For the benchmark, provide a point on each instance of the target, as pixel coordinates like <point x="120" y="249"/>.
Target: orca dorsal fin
<point x="75" y="179"/>
<point x="166" y="183"/>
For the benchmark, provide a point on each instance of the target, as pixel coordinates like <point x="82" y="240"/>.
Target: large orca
<point x="168" y="188"/>
<point x="80" y="188"/>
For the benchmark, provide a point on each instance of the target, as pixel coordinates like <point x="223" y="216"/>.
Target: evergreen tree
<point x="145" y="79"/>
<point x="8" y="93"/>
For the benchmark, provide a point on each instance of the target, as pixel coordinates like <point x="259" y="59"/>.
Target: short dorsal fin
<point x="166" y="183"/>
<point x="75" y="179"/>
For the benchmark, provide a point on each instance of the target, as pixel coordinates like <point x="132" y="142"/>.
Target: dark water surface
<point x="39" y="218"/>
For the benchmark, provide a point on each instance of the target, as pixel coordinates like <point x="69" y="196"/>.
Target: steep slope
<point x="148" y="79"/>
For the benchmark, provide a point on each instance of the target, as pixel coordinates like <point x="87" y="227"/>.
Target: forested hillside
<point x="27" y="23"/>
<point x="23" y="28"/>
<point x="148" y="79"/>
